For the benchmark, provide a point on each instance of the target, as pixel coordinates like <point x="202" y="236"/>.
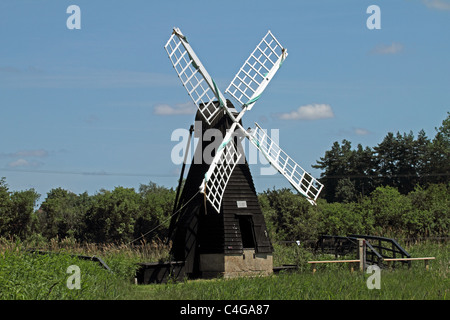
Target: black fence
<point x="377" y="248"/>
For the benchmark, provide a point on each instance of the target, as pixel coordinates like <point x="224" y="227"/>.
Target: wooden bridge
<point x="381" y="251"/>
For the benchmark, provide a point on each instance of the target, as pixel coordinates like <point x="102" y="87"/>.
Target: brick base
<point x="248" y="263"/>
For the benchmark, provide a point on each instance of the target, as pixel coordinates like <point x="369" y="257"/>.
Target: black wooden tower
<point x="199" y="232"/>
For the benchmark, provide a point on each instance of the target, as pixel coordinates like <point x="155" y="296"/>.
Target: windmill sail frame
<point x="246" y="87"/>
<point x="301" y="180"/>
<point x="257" y="71"/>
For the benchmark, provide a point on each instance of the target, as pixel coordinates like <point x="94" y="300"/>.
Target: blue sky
<point x="79" y="108"/>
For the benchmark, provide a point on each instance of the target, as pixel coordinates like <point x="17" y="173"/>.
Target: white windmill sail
<point x="301" y="180"/>
<point x="216" y="178"/>
<point x="257" y="71"/>
<point x="246" y="87"/>
<point x="193" y="75"/>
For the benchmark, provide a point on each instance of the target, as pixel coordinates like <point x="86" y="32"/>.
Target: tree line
<point x="424" y="212"/>
<point x="402" y="161"/>
<point x="398" y="188"/>
<point x="124" y="214"/>
<point x="120" y="215"/>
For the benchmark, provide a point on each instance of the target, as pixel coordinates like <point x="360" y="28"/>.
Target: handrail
<point x="409" y="259"/>
<point x="374" y="250"/>
<point x="395" y="243"/>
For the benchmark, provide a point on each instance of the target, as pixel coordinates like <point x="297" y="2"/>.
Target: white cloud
<point x="437" y="4"/>
<point x="388" y="49"/>
<point x="39" y="153"/>
<point x="23" y="163"/>
<point x="21" y="158"/>
<point x="166" y="110"/>
<point x="309" y="112"/>
<point x="361" y="131"/>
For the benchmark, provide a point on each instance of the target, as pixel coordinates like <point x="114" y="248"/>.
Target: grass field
<point x="28" y="276"/>
<point x="334" y="282"/>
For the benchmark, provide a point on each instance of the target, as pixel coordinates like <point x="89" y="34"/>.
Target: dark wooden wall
<point x="196" y="230"/>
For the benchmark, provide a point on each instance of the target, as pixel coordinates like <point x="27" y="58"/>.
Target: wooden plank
<point x="313" y="263"/>
<point x="408" y="259"/>
<point x="333" y="261"/>
<point x="425" y="259"/>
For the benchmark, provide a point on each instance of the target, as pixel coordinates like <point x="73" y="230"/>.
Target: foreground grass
<point x="331" y="282"/>
<point x="25" y="276"/>
<point x="28" y="276"/>
<point x="328" y="285"/>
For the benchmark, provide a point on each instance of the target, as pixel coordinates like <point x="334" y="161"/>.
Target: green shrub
<point x="289" y="216"/>
<point x="340" y="219"/>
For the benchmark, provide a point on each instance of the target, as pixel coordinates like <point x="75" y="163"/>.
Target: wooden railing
<point x="363" y="245"/>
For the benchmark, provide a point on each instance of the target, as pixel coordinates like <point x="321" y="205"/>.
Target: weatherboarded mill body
<point x="231" y="242"/>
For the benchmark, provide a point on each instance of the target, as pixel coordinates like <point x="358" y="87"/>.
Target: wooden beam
<point x="332" y="261"/>
<point x="313" y="263"/>
<point x="408" y="259"/>
<point x="425" y="260"/>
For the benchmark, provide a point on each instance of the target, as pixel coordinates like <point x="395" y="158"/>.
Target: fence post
<point x="362" y="254"/>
